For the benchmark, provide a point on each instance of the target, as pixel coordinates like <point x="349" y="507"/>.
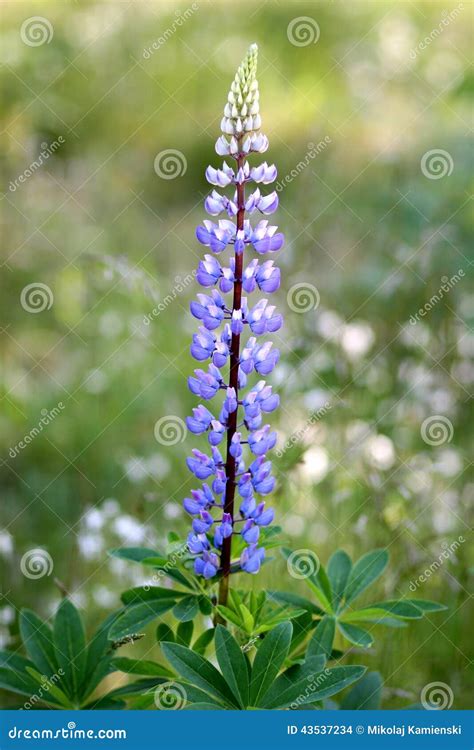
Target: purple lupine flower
<point x="213" y="508"/>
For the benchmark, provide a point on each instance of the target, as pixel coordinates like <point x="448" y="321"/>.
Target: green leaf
<point x="355" y="635"/>
<point x="70" y="645"/>
<point x="318" y="582"/>
<point x="294" y="600"/>
<point x="134" y="618"/>
<point x="184" y="633"/>
<point x="229" y="615"/>
<point x="365" y="571"/>
<point x="268" y="660"/>
<point x="397" y="609"/>
<point x="366" y="695"/>
<point x="98" y="659"/>
<point x="105" y="703"/>
<point x="323" y="638"/>
<point x="200" y="672"/>
<point x="427" y="606"/>
<point x="163" y="564"/>
<point x="140" y="666"/>
<point x="150" y="593"/>
<point x="17" y="682"/>
<point x="205" y="605"/>
<point x="323" y="685"/>
<point x="339" y="569"/>
<point x="201" y="643"/>
<point x="186" y="609"/>
<point x="16" y="662"/>
<point x="48" y="687"/>
<point x="233" y="665"/>
<point x="135" y="554"/>
<point x="283" y="689"/>
<point x="247" y="619"/>
<point x="139" y="687"/>
<point x="39" y="643"/>
<point x="302" y="626"/>
<point x="164" y="632"/>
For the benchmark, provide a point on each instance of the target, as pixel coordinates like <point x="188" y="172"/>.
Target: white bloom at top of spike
<point x="241" y="113"/>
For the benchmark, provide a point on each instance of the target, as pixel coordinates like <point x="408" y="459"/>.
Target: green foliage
<point x="336" y="590"/>
<point x="63" y="670"/>
<point x="265" y="683"/>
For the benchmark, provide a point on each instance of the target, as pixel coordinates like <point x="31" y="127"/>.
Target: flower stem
<point x="234" y="383"/>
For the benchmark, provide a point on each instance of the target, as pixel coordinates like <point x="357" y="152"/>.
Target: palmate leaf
<point x="199" y="672"/>
<point x="233" y="665"/>
<point x="268" y="660"/>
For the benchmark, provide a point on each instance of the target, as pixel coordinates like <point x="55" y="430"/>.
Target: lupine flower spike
<point x="227" y="504"/>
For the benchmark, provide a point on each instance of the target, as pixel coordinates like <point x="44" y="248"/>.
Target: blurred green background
<point x="370" y="224"/>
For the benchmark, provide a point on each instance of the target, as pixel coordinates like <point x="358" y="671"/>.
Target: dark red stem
<point x="230" y="466"/>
